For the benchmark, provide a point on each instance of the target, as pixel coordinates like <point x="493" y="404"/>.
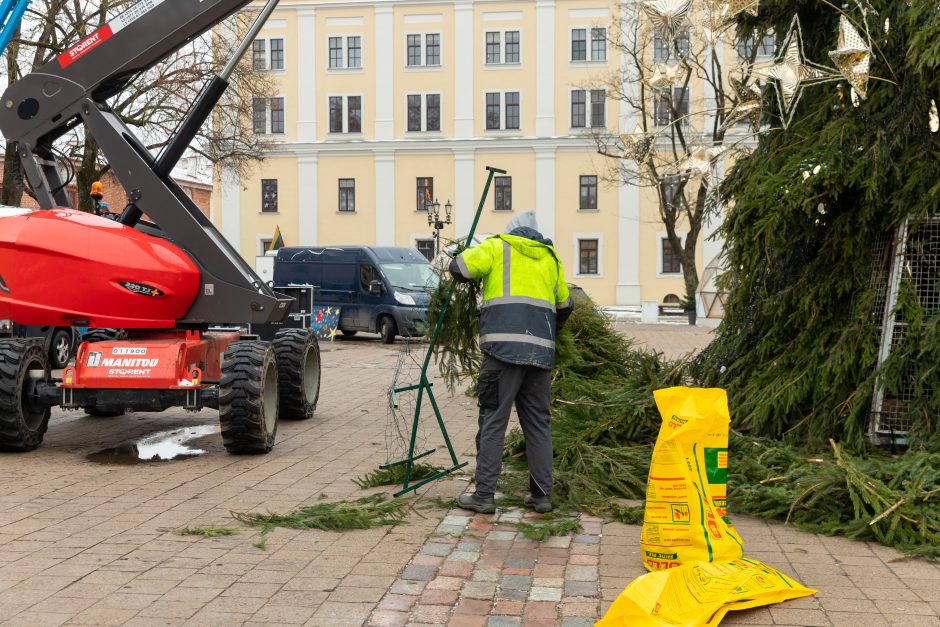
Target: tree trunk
<point x="87" y="174"/>
<point x="690" y="275"/>
<point x="12" y="193"/>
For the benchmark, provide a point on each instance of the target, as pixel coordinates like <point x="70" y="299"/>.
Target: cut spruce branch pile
<point x="396" y="475"/>
<point x="604" y="423"/>
<point x="370" y="511"/>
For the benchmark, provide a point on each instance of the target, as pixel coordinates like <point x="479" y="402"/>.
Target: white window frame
<point x="345" y="117"/>
<point x="267" y="54"/>
<point x="261" y="211"/>
<point x="260" y="245"/>
<point x="503" y="64"/>
<point x="590" y="54"/>
<point x="670" y="57"/>
<point x="597" y="193"/>
<point x="588" y="111"/>
<point x="759" y="56"/>
<point x="268" y="118"/>
<point x="576" y="270"/>
<point x="424" y="237"/>
<point x="344" y="41"/>
<point x="423" y="66"/>
<point x="355" y="196"/>
<point x="588" y="61"/>
<point x="660" y="236"/>
<point x="502" y="111"/>
<point x="686" y="120"/>
<point x="424" y="112"/>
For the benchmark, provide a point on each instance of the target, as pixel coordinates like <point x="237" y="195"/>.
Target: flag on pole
<point x="278" y="241"/>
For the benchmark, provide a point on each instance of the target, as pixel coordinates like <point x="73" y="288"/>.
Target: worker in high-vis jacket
<point x="525" y="303"/>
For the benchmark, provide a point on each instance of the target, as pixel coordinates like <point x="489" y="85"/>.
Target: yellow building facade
<point x="380" y="99"/>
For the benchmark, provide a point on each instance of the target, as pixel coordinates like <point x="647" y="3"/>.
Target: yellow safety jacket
<point x="523" y="286"/>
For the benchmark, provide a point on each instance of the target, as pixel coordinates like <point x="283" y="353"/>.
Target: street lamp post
<point x="435" y="222"/>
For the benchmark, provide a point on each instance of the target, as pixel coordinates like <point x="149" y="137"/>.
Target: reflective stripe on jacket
<point x="523" y="284"/>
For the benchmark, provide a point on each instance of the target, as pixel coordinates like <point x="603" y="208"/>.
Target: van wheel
<point x="347" y="333"/>
<point x="387" y="329"/>
<point x="60" y="348"/>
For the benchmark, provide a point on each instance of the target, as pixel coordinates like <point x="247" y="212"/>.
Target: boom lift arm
<point x="74" y="88"/>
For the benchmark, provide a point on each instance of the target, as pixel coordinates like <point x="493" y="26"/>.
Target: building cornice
<point x="433" y="146"/>
<point x="346" y="4"/>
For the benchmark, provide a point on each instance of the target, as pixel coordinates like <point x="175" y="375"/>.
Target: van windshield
<point x="411" y="276"/>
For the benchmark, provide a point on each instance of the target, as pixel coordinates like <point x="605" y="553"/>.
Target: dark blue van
<point x="382" y="290"/>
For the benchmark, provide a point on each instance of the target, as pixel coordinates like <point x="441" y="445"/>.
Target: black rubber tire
<point x="104" y="335"/>
<point x="387" y="329"/>
<point x="102" y="413"/>
<point x="248" y="397"/>
<point x="21" y="429"/>
<point x="60" y="349"/>
<point x="347" y="333"/>
<point x="298" y="373"/>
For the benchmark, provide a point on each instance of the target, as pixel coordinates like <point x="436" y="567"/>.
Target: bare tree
<point x="685" y="103"/>
<point x="154" y="102"/>
<point x="39" y="39"/>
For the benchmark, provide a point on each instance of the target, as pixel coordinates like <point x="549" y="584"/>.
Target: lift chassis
<point x="176" y="289"/>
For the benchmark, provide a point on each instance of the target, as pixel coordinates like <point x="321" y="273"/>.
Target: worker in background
<point x="525" y="303"/>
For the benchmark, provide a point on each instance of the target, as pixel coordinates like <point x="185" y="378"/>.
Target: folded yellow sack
<point x="686" y="495"/>
<point x="700" y="594"/>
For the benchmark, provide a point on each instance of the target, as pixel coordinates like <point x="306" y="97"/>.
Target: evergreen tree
<point x="798" y="348"/>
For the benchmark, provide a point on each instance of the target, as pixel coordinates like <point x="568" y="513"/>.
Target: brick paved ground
<point x="479" y="570"/>
<point x="92" y="543"/>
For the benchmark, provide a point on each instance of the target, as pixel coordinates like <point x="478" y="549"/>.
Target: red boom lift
<point x="176" y="287"/>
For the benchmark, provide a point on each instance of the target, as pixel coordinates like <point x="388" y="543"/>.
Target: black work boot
<point x="477" y="503"/>
<point x="541" y="504"/>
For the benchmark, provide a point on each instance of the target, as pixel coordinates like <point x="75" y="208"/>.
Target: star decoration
<point x="664" y="75"/>
<point x="750" y="105"/>
<point x="638" y="145"/>
<point x="669" y="17"/>
<point x="791" y="73"/>
<point x="719" y="15"/>
<point x="852" y="57"/>
<point x="736" y="6"/>
<point x="699" y="160"/>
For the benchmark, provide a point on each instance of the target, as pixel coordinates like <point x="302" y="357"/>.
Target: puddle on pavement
<point x="157" y="447"/>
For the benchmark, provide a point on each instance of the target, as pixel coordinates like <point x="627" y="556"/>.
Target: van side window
<point x="366" y="276"/>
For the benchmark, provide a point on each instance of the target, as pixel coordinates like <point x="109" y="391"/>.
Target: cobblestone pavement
<point x="479" y="570"/>
<point x="675" y="340"/>
<point x="88" y="541"/>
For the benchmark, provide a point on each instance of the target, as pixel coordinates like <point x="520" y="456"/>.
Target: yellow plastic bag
<point x="700" y="594"/>
<point x="685" y="518"/>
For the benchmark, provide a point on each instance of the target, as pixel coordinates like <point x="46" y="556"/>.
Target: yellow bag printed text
<point x="686" y="493"/>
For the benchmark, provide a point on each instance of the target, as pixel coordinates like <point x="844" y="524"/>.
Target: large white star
<point x="791" y="73"/>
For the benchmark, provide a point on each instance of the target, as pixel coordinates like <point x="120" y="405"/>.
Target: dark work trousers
<point x="500" y="385"/>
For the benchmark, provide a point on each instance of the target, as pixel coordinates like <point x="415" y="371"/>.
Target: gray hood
<point x="525" y="219"/>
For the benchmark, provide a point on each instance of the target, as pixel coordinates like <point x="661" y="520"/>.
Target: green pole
<point x="424" y="383"/>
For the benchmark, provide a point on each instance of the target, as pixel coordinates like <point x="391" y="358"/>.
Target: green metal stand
<point x="423" y="387"/>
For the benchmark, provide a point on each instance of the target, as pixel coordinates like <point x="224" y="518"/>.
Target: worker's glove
<point x="454" y="270"/>
<point x="562" y="315"/>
